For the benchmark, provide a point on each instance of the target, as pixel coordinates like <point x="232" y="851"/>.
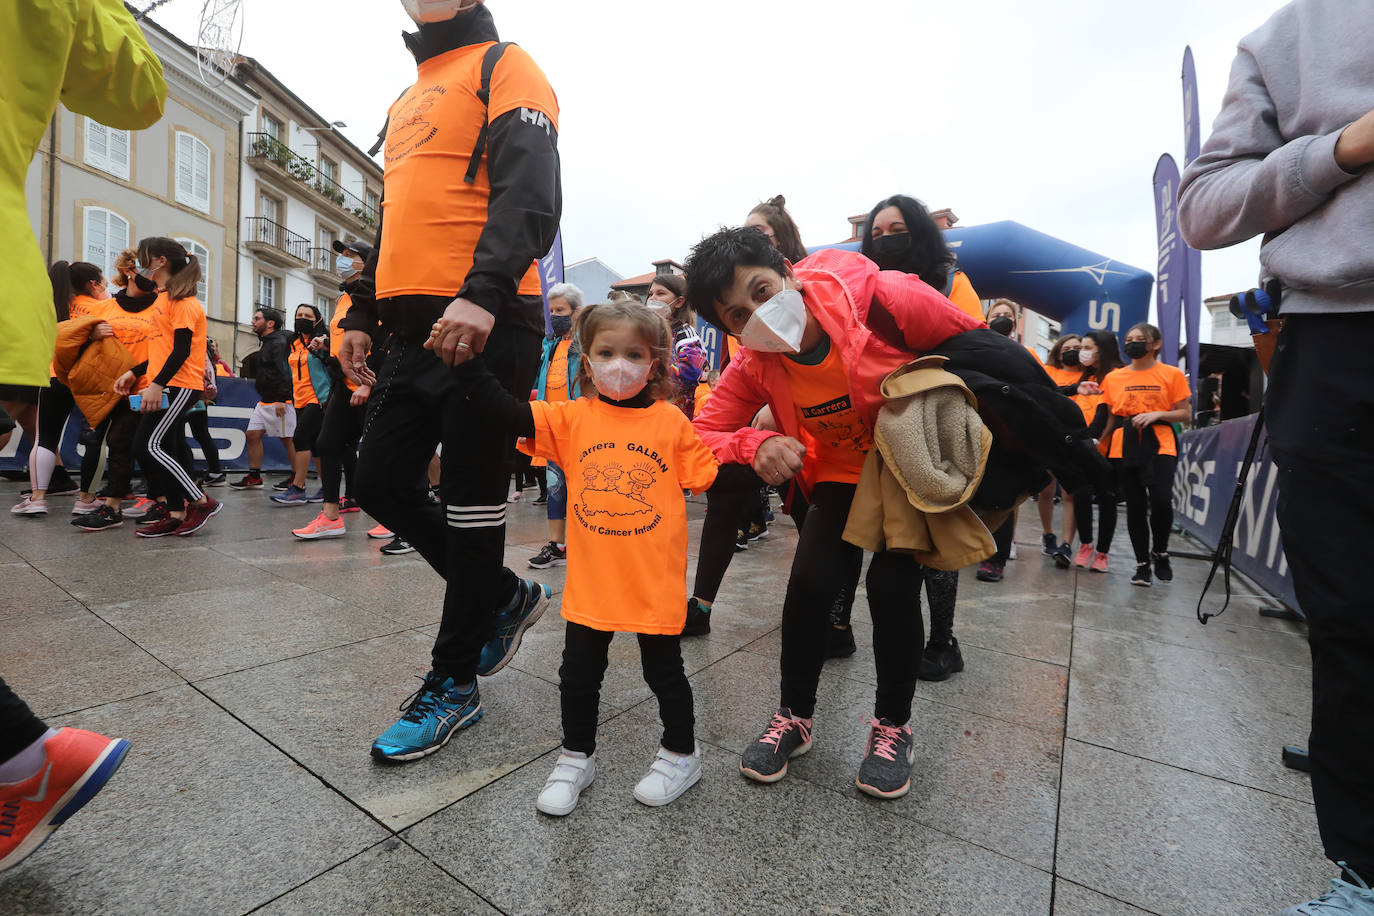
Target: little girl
<point x="628" y="454"/>
<point x="1146" y="398"/>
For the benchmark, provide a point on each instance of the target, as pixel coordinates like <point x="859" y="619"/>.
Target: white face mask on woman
<point x="619" y="379"/>
<point x="777" y="326"/>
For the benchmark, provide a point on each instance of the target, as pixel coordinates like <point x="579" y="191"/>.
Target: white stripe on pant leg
<point x="476" y="516"/>
<point x="170" y="464"/>
<point x="498" y="523"/>
<point x="499" y="507"/>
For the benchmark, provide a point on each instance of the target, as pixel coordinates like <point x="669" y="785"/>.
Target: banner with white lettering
<point x="228" y="424"/>
<point x="1209" y="461"/>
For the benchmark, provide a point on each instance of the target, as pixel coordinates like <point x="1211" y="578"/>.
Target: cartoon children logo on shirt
<point x="410" y="128"/>
<point x="617" y="494"/>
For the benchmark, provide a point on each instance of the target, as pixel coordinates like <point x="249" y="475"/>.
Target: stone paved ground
<point x="1102" y="754"/>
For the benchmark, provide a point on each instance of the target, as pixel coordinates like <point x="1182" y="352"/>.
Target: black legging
<point x="116" y="433"/>
<point x="19" y="727"/>
<point x="1105" y="494"/>
<point x="820" y="569"/>
<point x="733" y="496"/>
<point x="55" y="405"/>
<point x="1149" y="504"/>
<point x="1002" y="537"/>
<point x="162" y="450"/>
<point x="336" y="445"/>
<point x="198" y="422"/>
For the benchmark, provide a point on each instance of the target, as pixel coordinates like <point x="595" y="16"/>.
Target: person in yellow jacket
<point x="91" y="56"/>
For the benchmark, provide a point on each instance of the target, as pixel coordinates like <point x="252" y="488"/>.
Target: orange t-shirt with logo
<point x="172" y="316"/>
<point x="432" y="217"/>
<point x="302" y="388"/>
<point x="1129" y="392"/>
<point x="336" y="332"/>
<point x="134" y="330"/>
<point x="840" y="437"/>
<point x="625" y="470"/>
<point x="961" y="294"/>
<point x="556" y="382"/>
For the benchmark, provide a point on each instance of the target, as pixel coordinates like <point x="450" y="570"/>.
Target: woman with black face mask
<point x="1063" y="368"/>
<point x="900" y="235"/>
<point x="310" y="390"/>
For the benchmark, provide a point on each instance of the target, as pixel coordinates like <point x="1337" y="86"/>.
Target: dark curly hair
<point x="712" y="263"/>
<point x="929" y="257"/>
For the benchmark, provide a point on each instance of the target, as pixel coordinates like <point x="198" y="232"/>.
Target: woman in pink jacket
<point x="817" y="339"/>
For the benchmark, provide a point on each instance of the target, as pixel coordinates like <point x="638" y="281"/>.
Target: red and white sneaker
<point x="321" y="527"/>
<point x="197" y="514"/>
<point x="139" y="508"/>
<point x="380" y="533"/>
<point x="1100" y="563"/>
<point x="347" y="504"/>
<point x="79" y="763"/>
<point x="160" y="528"/>
<point x="1084" y="558"/>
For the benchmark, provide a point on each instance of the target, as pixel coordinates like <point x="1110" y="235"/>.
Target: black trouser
<point x="19" y="727"/>
<point x="55" y="405"/>
<point x="579" y="687"/>
<point x="416" y="404"/>
<point x="942" y="591"/>
<point x="733" y="497"/>
<point x="337" y="443"/>
<point x="1149" y="493"/>
<point x="1002" y="537"/>
<point x="1103" y="489"/>
<point x="308" y="420"/>
<point x="820" y="568"/>
<point x="1320" y="408"/>
<point x="162" y="450"/>
<point x="117" y="432"/>
<point x="198" y="422"/>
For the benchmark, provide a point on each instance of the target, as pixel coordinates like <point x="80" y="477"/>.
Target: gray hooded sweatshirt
<point x="1269" y="166"/>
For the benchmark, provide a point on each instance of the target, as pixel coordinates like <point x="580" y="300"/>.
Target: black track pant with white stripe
<point x="157" y="446"/>
<point x="417" y="404"/>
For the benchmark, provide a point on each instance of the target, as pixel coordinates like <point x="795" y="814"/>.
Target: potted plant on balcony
<point x="299" y="170"/>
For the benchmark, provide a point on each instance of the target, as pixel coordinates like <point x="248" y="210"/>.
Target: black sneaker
<point x="1048" y="544"/>
<point x="1142" y="575"/>
<point x="540" y="500"/>
<point x="756" y="532"/>
<point x="284" y="482"/>
<point x="698" y="619"/>
<point x="61" y="483"/>
<point x="741" y="541"/>
<point x="1062" y="556"/>
<point x="103" y="517"/>
<point x="156" y="512"/>
<point x="1163" y="571"/>
<point x="940" y="659"/>
<point x="989" y="571"/>
<point x="396" y="546"/>
<point x="839" y="642"/>
<point x="886" y="770"/>
<point x="216" y="480"/>
<point x="786" y="736"/>
<point x="549" y="555"/>
<point x="247" y="482"/>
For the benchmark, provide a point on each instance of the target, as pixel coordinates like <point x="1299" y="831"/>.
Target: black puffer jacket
<point x="273" y="378"/>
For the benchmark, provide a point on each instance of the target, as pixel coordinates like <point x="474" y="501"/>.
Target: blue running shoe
<point x="292" y="496"/>
<point x="432" y="714"/>
<point x="511" y="623"/>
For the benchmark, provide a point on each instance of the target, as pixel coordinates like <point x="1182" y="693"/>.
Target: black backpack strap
<point x="381" y="134"/>
<point x="479" y="149"/>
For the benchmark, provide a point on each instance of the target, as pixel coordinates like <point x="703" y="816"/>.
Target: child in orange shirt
<point x="1145" y="399"/>
<point x="628" y="454"/>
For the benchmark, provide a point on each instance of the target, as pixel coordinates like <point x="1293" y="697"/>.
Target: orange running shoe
<point x="1085" y="557"/>
<point x="79" y="763"/>
<point x="1100" y="563"/>
<point x="321" y="527"/>
<point x="380" y="533"/>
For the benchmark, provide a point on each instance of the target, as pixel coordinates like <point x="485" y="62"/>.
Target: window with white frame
<point x="106" y="235"/>
<point x="329" y="169"/>
<point x="107" y="148"/>
<point x="202" y="255"/>
<point x="372" y="202"/>
<point x="267" y="291"/>
<point x="271" y="126"/>
<point x="193" y="172"/>
<point x="322" y="303"/>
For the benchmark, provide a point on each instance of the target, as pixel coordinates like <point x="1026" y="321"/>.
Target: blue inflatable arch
<point x="1081" y="289"/>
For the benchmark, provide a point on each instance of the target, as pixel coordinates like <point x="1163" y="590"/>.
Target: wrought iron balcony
<point x="264" y="148"/>
<point x="275" y="242"/>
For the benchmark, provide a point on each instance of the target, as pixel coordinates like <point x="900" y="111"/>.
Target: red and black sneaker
<point x="347" y="504"/>
<point x="160" y="528"/>
<point x="197" y="514"/>
<point x="157" y="512"/>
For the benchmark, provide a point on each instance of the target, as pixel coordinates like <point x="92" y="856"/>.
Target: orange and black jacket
<point x="523" y="210"/>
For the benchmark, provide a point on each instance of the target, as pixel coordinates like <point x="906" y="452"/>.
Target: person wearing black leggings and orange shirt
<point x="176" y="367"/>
<point x="731" y="516"/>
<point x="1146" y="398"/>
<point x="900" y="235"/>
<point x="1097" y="356"/>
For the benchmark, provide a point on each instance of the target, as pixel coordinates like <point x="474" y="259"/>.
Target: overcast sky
<point x="678" y="117"/>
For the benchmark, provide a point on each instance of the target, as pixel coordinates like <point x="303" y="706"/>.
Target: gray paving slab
<point x="703" y="854"/>
<point x="1179" y="843"/>
<point x="25" y="592"/>
<point x="1284" y="643"/>
<point x="1072" y="900"/>
<point x="326" y="708"/>
<point x="160" y="566"/>
<point x="391" y="877"/>
<point x="60" y="663"/>
<point x="203" y="817"/>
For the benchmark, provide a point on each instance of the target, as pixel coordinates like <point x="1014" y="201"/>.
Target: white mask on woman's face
<point x="659" y="307"/>
<point x="777" y="326"/>
<point x="1087" y="357"/>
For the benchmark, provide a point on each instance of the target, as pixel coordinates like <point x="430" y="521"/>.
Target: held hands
<point x="1142" y="420"/>
<point x="281" y="410"/>
<point x="1355" y="148"/>
<point x="1089" y="387"/>
<point x="101" y="331"/>
<point x="318" y="344"/>
<point x="461" y="333"/>
<point x="124" y="385"/>
<point x="353" y="352"/>
<point x="359" y="397"/>
<point x="152" y="399"/>
<point x="778" y="459"/>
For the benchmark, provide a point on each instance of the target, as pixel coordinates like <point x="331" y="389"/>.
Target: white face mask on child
<point x="777" y="326"/>
<point x="619" y="379"/>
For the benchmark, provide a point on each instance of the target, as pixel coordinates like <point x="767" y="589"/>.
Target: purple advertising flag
<point x="551" y="272"/>
<point x="1172" y="257"/>
<point x="1192" y="287"/>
